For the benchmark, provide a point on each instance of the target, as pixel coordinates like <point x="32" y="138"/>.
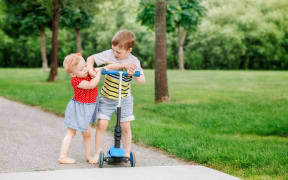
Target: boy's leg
<point x="64" y="159"/>
<point x="127" y="137"/>
<point x="99" y="137"/>
<point x="127" y="116"/>
<point x="87" y="143"/>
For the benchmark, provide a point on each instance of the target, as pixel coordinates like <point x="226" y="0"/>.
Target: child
<point x="119" y="57"/>
<point x="81" y="110"/>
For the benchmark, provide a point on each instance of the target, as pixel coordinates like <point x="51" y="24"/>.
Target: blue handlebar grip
<point x="137" y="73"/>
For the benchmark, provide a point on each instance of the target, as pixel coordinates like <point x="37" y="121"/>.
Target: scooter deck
<point x="116" y="155"/>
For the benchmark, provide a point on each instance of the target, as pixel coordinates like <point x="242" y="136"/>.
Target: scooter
<point x="116" y="154"/>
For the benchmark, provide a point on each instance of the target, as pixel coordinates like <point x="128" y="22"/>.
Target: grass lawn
<point x="233" y="121"/>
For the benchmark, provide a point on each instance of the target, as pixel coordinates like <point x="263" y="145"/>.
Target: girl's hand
<point x="92" y="73"/>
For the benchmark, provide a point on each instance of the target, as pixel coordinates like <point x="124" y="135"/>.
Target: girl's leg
<point x="127" y="137"/>
<point x="87" y="143"/>
<point x="64" y="159"/>
<point x="99" y="137"/>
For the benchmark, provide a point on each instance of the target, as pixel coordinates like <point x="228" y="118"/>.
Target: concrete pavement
<point x="31" y="138"/>
<point x="137" y="173"/>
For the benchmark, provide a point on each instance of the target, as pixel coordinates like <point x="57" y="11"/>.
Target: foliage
<point x="233" y="35"/>
<point x="77" y="14"/>
<point x="184" y="13"/>
<point x="241" y="35"/>
<point x="76" y="18"/>
<point x="25" y="17"/>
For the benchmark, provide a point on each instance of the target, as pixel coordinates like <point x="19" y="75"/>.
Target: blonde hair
<point x="70" y="61"/>
<point x="124" y="39"/>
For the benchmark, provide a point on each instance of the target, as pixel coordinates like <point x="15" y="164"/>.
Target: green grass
<point x="233" y="121"/>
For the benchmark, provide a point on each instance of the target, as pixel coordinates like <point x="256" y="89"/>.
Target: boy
<point x="117" y="58"/>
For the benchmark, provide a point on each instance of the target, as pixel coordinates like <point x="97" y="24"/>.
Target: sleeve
<point x="75" y="82"/>
<point x="138" y="65"/>
<point x="102" y="57"/>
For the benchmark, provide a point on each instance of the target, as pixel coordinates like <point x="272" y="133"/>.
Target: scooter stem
<point x="118" y="130"/>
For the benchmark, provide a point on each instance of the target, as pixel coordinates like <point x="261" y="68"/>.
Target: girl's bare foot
<point x="94" y="160"/>
<point x="66" y="160"/>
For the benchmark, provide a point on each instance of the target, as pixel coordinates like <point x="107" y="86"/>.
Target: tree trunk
<point x="181" y="39"/>
<point x="161" y="85"/>
<point x="43" y="51"/>
<point x="54" y="54"/>
<point x="78" y="40"/>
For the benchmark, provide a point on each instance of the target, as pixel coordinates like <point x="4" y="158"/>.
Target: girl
<point x="81" y="110"/>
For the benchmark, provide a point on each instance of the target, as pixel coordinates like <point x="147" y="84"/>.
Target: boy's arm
<point x="91" y="84"/>
<point x="90" y="66"/>
<point x="114" y="66"/>
<point x="141" y="79"/>
<point x="130" y="67"/>
<point x="90" y="62"/>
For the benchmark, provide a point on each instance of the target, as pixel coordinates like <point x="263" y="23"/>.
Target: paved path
<point x="137" y="173"/>
<point x="31" y="138"/>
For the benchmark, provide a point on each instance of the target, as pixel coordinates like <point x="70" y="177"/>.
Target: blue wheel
<point x="101" y="159"/>
<point x="132" y="159"/>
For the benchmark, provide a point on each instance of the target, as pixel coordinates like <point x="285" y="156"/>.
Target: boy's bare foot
<point x="66" y="160"/>
<point x="94" y="159"/>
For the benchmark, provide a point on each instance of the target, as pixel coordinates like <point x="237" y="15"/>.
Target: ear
<point x="129" y="50"/>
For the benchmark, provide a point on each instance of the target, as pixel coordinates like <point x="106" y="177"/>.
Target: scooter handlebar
<point x="137" y="73"/>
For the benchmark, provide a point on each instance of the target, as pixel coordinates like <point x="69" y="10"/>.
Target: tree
<point x="182" y="16"/>
<point x="28" y="17"/>
<point x="77" y="15"/>
<point x="37" y="20"/>
<point x="161" y="85"/>
<point x="54" y="53"/>
<point x="82" y="4"/>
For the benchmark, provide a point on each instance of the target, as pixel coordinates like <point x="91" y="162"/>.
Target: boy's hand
<point x="98" y="69"/>
<point x="131" y="68"/>
<point x="98" y="72"/>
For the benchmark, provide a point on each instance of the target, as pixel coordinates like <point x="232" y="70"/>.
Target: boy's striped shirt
<point x="111" y="82"/>
<point x="110" y="88"/>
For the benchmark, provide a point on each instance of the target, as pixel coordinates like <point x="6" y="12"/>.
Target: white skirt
<point x="78" y="115"/>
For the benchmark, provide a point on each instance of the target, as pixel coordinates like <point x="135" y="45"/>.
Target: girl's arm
<point x="91" y="84"/>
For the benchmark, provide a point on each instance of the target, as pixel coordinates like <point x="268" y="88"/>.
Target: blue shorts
<point x="107" y="107"/>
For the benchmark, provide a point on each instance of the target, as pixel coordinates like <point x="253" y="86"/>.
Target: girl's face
<point x="80" y="70"/>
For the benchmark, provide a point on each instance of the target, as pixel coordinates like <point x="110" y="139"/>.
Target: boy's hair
<point x="124" y="39"/>
<point x="70" y="61"/>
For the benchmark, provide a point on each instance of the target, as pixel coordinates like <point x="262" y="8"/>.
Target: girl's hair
<point x="70" y="61"/>
<point x="124" y="39"/>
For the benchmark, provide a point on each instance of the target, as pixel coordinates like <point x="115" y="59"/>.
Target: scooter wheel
<point x="101" y="159"/>
<point x="132" y="159"/>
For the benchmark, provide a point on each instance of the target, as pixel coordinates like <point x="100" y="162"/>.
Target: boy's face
<point x="121" y="53"/>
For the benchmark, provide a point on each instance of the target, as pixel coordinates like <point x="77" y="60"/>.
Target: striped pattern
<point x="110" y="88"/>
